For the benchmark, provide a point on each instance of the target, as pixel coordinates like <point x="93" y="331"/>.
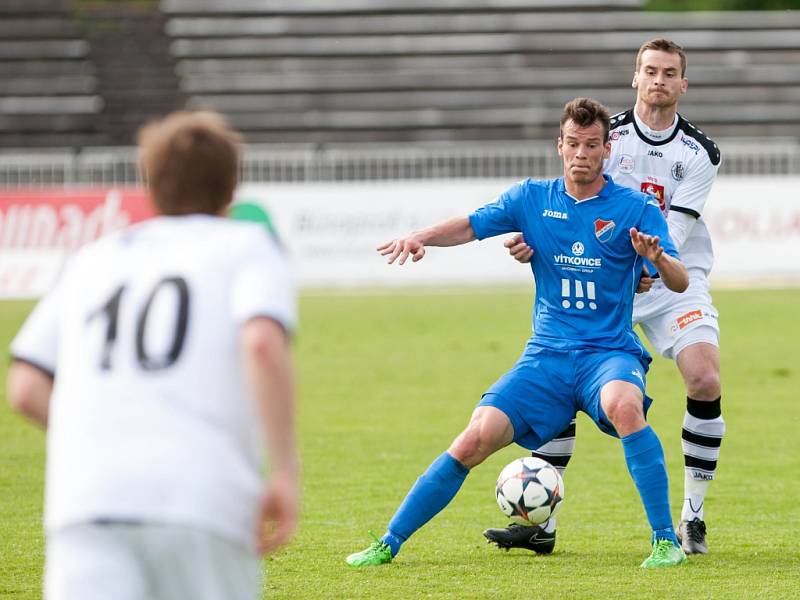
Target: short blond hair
<point x="663" y="45"/>
<point x="190" y="162"/>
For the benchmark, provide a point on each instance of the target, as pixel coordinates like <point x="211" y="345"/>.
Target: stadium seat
<point x="50" y="90"/>
<point x="320" y="72"/>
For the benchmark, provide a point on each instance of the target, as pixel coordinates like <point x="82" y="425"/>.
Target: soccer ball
<point x="529" y="490"/>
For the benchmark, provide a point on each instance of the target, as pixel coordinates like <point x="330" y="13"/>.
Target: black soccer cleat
<point x="530" y="537"/>
<point x="692" y="536"/>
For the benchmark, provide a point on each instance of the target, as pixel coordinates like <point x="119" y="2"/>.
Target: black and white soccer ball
<point x="529" y="490"/>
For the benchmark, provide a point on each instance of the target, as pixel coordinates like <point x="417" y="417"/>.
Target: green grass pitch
<point x="387" y="380"/>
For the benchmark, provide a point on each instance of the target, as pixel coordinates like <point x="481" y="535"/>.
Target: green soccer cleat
<point x="378" y="553"/>
<point x="665" y="554"/>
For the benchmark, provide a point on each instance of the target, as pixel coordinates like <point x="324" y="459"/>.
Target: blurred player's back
<point x="156" y="315"/>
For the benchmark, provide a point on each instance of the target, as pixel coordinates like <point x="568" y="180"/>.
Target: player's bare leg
<point x="703" y="429"/>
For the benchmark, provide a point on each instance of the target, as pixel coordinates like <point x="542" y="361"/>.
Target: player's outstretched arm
<point x="270" y="373"/>
<point x="29" y="390"/>
<point x="672" y="271"/>
<point x="452" y="232"/>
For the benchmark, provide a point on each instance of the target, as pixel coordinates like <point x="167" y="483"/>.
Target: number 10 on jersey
<point x="111" y="310"/>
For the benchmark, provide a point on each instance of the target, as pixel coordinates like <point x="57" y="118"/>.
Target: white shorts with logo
<point x="103" y="561"/>
<point x="673" y="321"/>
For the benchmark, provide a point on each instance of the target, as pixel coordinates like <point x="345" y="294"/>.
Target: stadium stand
<point x="82" y="74"/>
<point x="450" y="70"/>
<point x="135" y="70"/>
<point x="49" y="94"/>
<point x="431" y="87"/>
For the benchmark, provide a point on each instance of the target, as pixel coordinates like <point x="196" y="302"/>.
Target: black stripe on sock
<point x="700" y="409"/>
<point x="706" y="465"/>
<point x="557" y="460"/>
<point x="701" y="440"/>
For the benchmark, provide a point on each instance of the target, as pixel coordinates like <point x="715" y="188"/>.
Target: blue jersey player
<point x="590" y="238"/>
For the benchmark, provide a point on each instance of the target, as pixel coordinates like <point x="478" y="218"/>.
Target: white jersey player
<point x="156" y="437"/>
<point x="656" y="151"/>
<point x="677" y="166"/>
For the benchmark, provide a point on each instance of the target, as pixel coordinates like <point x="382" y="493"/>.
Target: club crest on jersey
<point x="677" y="171"/>
<point x="603" y="229"/>
<point x="656" y="191"/>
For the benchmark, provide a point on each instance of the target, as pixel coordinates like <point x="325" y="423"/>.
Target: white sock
<point x="701" y="439"/>
<point x="694" y="495"/>
<point x="549" y="526"/>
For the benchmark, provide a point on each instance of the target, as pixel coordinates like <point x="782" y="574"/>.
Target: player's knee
<point x="703" y="384"/>
<point x="471" y="447"/>
<point x="625" y="412"/>
<point x="463" y="447"/>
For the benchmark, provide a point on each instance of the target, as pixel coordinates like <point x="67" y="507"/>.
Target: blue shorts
<point x="546" y="388"/>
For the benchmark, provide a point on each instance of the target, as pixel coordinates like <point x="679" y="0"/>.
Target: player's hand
<point x="645" y="281"/>
<point x="518" y="249"/>
<point x="646" y="245"/>
<point x="279" y="513"/>
<point x="401" y="248"/>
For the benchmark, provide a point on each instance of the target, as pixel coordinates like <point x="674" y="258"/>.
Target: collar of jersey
<point x="676" y="126"/>
<point x="605" y="192"/>
<point x="652" y="134"/>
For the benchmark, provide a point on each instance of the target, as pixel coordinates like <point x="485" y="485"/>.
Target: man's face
<point x="583" y="151"/>
<point x="658" y="80"/>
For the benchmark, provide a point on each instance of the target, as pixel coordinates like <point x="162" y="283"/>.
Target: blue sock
<point x="431" y="493"/>
<point x="645" y="459"/>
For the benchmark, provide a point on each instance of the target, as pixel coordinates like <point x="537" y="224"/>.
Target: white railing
<point x="301" y="164"/>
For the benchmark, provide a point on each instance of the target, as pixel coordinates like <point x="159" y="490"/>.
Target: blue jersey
<point x="584" y="264"/>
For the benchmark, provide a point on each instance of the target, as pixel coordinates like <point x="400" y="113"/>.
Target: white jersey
<point x="678" y="167"/>
<point x="150" y="419"/>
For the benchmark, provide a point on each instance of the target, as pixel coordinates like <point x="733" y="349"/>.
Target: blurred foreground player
<point x="655" y="150"/>
<point x="583" y="354"/>
<point x="160" y="365"/>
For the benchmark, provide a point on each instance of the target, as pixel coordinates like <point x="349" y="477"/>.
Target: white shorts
<point x="148" y="562"/>
<point x="674" y="321"/>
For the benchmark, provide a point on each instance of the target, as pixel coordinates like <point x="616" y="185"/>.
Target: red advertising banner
<point x="39" y="229"/>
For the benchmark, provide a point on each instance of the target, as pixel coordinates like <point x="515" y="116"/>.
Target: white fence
<point x="303" y="164"/>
